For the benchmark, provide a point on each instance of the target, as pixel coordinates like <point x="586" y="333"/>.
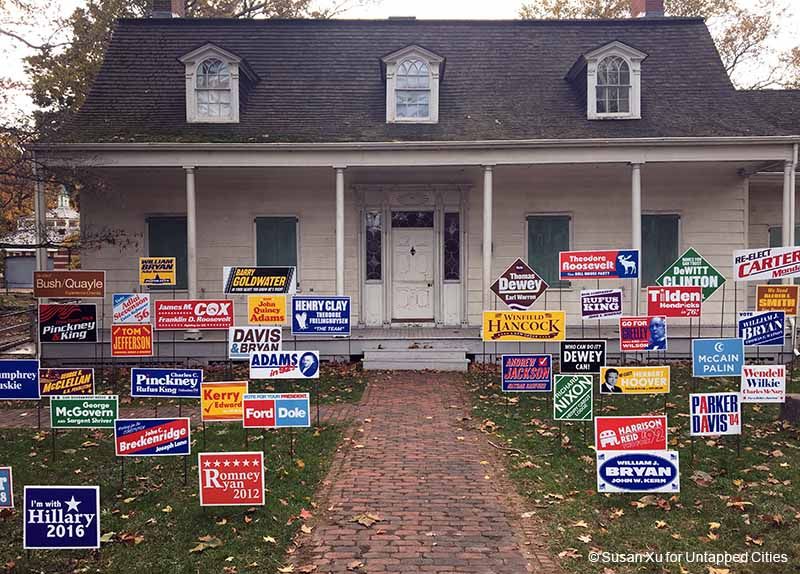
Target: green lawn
<point x="748" y="502"/>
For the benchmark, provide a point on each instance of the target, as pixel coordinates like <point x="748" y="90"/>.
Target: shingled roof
<point x="779" y="107"/>
<point x="321" y="81"/>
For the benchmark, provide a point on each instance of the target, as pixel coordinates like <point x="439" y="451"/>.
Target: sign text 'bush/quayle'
<point x="321" y="316"/>
<point x="98" y="411"/>
<point x="152" y="437"/>
<point x="285" y="365"/>
<point x="176" y="383"/>
<point x="645" y="471"/>
<point x="19" y="379"/>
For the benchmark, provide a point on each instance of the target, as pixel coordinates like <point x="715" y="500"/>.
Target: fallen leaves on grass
<point x="702" y="478"/>
<point x="205" y="543"/>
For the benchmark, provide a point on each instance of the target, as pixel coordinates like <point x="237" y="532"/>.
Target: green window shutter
<point x="776" y="240"/>
<point x="547" y="235"/>
<point x="276" y="241"/>
<point x="166" y="237"/>
<point x="660" y="244"/>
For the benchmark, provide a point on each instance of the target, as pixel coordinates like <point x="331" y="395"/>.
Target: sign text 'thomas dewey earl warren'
<point x="524" y="325"/>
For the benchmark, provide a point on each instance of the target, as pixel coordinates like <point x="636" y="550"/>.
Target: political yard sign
<point x="131" y="308"/>
<point x="692" y="270"/>
<point x="157" y="271"/>
<point x="222" y="401"/>
<point x="674" y="301"/>
<point x="321" y="316"/>
<point x="266" y="309"/>
<point x="285" y="365"/>
<point x="271" y="280"/>
<point x="764" y="329"/>
<point x="631" y="433"/>
<point x="638" y="471"/>
<point x="643" y="333"/>
<point x="524" y="326"/>
<point x="72" y="283"/>
<point x="152" y="437"/>
<point x="231" y="478"/>
<point x="634" y="380"/>
<point x="6" y="488"/>
<point x="766" y="264"/>
<point x="19" y="379"/>
<point x="245" y="340"/>
<point x="68" y="323"/>
<point x="132" y="340"/>
<point x="582" y="356"/>
<point x="777" y="298"/>
<point x="61" y="518"/>
<point x="519" y="286"/>
<point x="601" y="303"/>
<point x="96" y="411"/>
<point x="177" y="314"/>
<point x="763" y="384"/>
<point x="277" y="410"/>
<point x="527" y="373"/>
<point x="172" y="383"/>
<point x="572" y="397"/>
<point x="714" y="414"/>
<point x="717" y="357"/>
<point x="619" y="264"/>
<point x="53" y="382"/>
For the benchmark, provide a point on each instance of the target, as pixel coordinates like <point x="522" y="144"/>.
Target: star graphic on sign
<point x="216" y="464"/>
<point x="72" y="504"/>
<point x="206" y="464"/>
<point x="255" y="462"/>
<point x="246" y="462"/>
<point x="236" y="462"/>
<point x="226" y="464"/>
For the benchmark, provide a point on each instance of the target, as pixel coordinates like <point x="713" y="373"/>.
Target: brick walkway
<point x="413" y="461"/>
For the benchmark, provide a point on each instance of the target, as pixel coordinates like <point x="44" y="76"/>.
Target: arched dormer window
<point x="613" y="91"/>
<point x="613" y="81"/>
<point x="213" y="90"/>
<point x="412" y="85"/>
<point x="413" y="90"/>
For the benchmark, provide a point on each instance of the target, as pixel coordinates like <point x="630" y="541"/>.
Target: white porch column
<point x="636" y="225"/>
<point x="191" y="232"/>
<point x="340" y="231"/>
<point x="787" y="231"/>
<point x="40" y="217"/>
<point x="487" y="234"/>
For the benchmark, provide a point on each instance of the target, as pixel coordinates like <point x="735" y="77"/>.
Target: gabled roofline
<point x="412" y="49"/>
<point x="225" y="54"/>
<point x="626" y="49"/>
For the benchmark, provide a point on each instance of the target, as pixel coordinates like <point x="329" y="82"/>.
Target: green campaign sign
<point x="96" y="411"/>
<point x="692" y="270"/>
<point x="572" y="397"/>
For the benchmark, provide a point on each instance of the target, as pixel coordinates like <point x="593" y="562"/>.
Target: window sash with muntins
<point x="547" y="236"/>
<point x="166" y="237"/>
<point x="276" y="241"/>
<point x="660" y="245"/>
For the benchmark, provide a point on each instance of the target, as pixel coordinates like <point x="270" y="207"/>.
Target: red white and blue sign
<point x="276" y="410"/>
<point x="617" y="264"/>
<point x="19" y="379"/>
<point x="765" y="329"/>
<point x="321" y="316"/>
<point x="713" y="414"/>
<point x="173" y="383"/>
<point x="61" y="518"/>
<point x="285" y="365"/>
<point x="231" y="478"/>
<point x="6" y="488"/>
<point x="638" y="471"/>
<point x="152" y="437"/>
<point x="527" y="373"/>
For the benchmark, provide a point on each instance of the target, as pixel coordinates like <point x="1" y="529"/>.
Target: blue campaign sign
<point x="6" y="488"/>
<point x="638" y="471"/>
<point x="61" y="517"/>
<point x="292" y="410"/>
<point x="19" y="379"/>
<point x="527" y="373"/>
<point x="152" y="437"/>
<point x="175" y="383"/>
<point x="321" y="316"/>
<point x="717" y="357"/>
<point x="762" y="329"/>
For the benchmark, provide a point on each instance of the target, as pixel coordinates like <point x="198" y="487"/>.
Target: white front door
<point x="412" y="273"/>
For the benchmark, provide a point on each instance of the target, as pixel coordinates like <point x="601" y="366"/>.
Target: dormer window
<point x="613" y="86"/>
<point x="412" y="85"/>
<point x="213" y="89"/>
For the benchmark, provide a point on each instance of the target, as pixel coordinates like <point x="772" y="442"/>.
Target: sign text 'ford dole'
<point x="132" y="340"/>
<point x="152" y="437"/>
<point x="68" y="323"/>
<point x="601" y="303"/>
<point x="763" y="384"/>
<point x="222" y="401"/>
<point x="61" y="517"/>
<point x="285" y="365"/>
<point x="777" y="298"/>
<point x="19" y="379"/>
<point x="643" y="333"/>
<point x="619" y="264"/>
<point x="634" y="380"/>
<point x="717" y="357"/>
<point x="157" y="271"/>
<point x="93" y="412"/>
<point x="174" y="383"/>
<point x="181" y="314"/>
<point x="715" y="414"/>
<point x="572" y="397"/>
<point x="527" y="373"/>
<point x="766" y="264"/>
<point x="272" y="280"/>
<point x="231" y="478"/>
<point x="764" y="329"/>
<point x="692" y="270"/>
<point x="638" y="471"/>
<point x="674" y="301"/>
<point x="630" y="433"/>
<point x="519" y="286"/>
<point x="582" y="356"/>
<point x="56" y="382"/>
<point x="277" y="410"/>
<point x="321" y="316"/>
<point x="266" y="309"/>
<point x="6" y="488"/>
<point x="131" y="308"/>
<point x="77" y="284"/>
<point x="524" y="326"/>
<point x="245" y="340"/>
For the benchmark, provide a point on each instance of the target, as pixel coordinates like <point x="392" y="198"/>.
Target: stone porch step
<point x="415" y="359"/>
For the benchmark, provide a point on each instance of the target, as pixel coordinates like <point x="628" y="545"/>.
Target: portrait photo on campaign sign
<point x="61" y="517"/>
<point x="285" y="365"/>
<point x="19" y="379"/>
<point x="647" y="333"/>
<point x="321" y="316"/>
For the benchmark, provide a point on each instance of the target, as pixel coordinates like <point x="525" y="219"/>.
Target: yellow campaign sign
<point x="222" y="401"/>
<point x="157" y="271"/>
<point x="777" y="298"/>
<point x="266" y="309"/>
<point x="524" y="325"/>
<point x="634" y="380"/>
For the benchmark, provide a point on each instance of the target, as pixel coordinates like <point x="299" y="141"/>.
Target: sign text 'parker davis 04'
<point x="763" y="384"/>
<point x="610" y="264"/>
<point x="157" y="271"/>
<point x="527" y="373"/>
<point x="285" y="365"/>
<point x="713" y="414"/>
<point x="266" y="309"/>
<point x="643" y="333"/>
<point x="647" y="432"/>
<point x="638" y="471"/>
<point x="764" y="329"/>
<point x="57" y="382"/>
<point x="634" y="380"/>
<point x="68" y="323"/>
<point x="172" y="383"/>
<point x="222" y="401"/>
<point x="231" y="478"/>
<point x="674" y="301"/>
<point x="152" y="437"/>
<point x="132" y="340"/>
<point x="131" y="308"/>
<point x="717" y="357"/>
<point x="180" y="314"/>
<point x="321" y="316"/>
<point x="766" y="264"/>
<point x="270" y="280"/>
<point x="19" y="379"/>
<point x="276" y="410"/>
<point x="601" y="303"/>
<point x="582" y="356"/>
<point x="524" y="326"/>
<point x="777" y="298"/>
<point x="61" y="518"/>
<point x="6" y="487"/>
<point x="519" y="286"/>
<point x="92" y="412"/>
<point x="245" y="340"/>
<point x="73" y="283"/>
<point x="572" y="397"/>
<point x="692" y="270"/>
